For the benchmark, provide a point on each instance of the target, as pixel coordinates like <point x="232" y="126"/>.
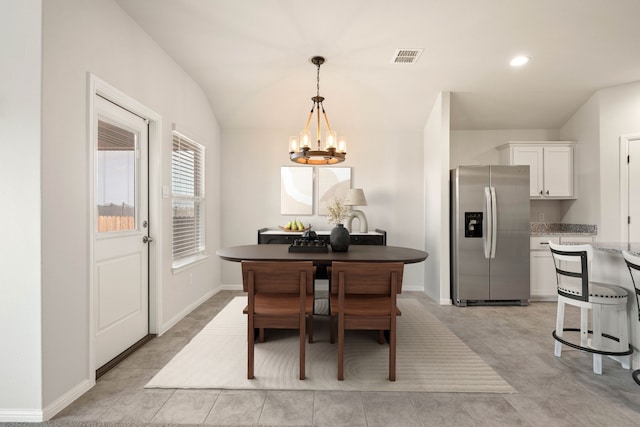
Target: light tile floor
<point x="516" y="341"/>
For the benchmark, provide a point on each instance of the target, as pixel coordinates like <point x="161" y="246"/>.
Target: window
<point x="187" y="183"/>
<point x="116" y="176"/>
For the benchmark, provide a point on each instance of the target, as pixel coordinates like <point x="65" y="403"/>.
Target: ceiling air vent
<point x="406" y="56"/>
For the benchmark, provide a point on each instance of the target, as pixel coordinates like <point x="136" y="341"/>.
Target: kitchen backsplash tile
<point x="561" y="228"/>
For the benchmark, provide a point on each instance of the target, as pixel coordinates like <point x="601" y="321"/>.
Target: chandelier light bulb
<point x="342" y="145"/>
<point x="305" y="139"/>
<point x="293" y="144"/>
<point x="332" y="136"/>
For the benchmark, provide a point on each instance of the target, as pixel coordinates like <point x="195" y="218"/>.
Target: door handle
<point x="487" y="219"/>
<point x="147" y="239"/>
<point x="547" y="192"/>
<point x="494" y="220"/>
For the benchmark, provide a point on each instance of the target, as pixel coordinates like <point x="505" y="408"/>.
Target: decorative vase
<point x="339" y="238"/>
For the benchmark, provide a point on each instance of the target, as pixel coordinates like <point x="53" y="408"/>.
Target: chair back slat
<point x="277" y="277"/>
<point x="367" y="278"/>
<point x="572" y="264"/>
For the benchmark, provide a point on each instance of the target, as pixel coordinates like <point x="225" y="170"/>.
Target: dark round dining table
<point x="355" y="253"/>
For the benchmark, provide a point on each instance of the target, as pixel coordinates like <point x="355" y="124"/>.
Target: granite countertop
<point x="617" y="247"/>
<point x="612" y="247"/>
<point x="549" y="228"/>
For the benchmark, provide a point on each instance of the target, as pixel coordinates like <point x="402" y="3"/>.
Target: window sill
<point x="184" y="264"/>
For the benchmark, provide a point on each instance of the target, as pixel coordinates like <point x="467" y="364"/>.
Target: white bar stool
<point x="633" y="264"/>
<point x="573" y="263"/>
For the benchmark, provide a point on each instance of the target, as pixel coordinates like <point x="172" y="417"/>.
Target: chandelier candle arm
<point x="306" y="126"/>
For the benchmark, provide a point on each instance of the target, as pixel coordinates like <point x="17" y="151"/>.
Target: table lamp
<point x="355" y="197"/>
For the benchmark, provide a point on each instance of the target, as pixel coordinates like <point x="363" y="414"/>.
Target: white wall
<point x="98" y="37"/>
<point x="20" y="216"/>
<point x="619" y="115"/>
<point x="584" y="128"/>
<point x="597" y="127"/>
<point x="436" y="200"/>
<point x="479" y="147"/>
<point x="386" y="163"/>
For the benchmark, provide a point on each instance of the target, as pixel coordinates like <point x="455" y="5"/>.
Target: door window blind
<point x="187" y="183"/>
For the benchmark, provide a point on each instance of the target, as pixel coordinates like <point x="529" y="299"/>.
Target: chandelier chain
<point x="318" y="81"/>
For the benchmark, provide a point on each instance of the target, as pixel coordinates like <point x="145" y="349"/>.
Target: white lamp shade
<point x="355" y="197"/>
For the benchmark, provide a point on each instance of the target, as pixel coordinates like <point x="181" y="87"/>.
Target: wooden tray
<point x="299" y="245"/>
<point x="295" y="231"/>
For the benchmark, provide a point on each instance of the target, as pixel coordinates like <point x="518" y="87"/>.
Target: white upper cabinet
<point x="550" y="166"/>
<point x="534" y="157"/>
<point x="558" y="172"/>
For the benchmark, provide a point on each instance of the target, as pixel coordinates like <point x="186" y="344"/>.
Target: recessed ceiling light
<point x="519" y="61"/>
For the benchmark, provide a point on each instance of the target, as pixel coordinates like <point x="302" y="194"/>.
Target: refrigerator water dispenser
<point x="473" y="224"/>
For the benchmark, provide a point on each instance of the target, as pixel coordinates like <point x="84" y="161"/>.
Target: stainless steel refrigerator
<point x="489" y="235"/>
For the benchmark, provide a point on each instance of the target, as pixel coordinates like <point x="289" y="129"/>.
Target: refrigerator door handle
<point x="487" y="219"/>
<point x="494" y="220"/>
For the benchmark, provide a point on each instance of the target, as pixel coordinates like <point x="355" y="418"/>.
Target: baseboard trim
<point x="67" y="399"/>
<point x="178" y="317"/>
<point x="21" y="416"/>
<point x="37" y="415"/>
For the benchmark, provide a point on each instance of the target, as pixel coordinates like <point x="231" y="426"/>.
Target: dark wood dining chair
<point x="280" y="296"/>
<point x="363" y="296"/>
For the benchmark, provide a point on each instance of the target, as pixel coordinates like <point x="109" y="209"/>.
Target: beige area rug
<point x="430" y="358"/>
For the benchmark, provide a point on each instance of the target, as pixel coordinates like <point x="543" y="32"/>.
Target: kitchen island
<point x="617" y="247"/>
<point x="609" y="267"/>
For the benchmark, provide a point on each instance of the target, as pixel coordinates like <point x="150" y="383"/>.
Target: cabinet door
<point x="558" y="171"/>
<point x="543" y="277"/>
<point x="365" y="239"/>
<point x="532" y="156"/>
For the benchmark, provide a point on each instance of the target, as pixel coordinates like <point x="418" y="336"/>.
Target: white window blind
<point x="187" y="183"/>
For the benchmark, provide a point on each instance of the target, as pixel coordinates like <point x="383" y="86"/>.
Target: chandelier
<point x="300" y="150"/>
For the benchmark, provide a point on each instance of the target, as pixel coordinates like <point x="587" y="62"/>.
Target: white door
<point x="531" y="156"/>
<point x="633" y="195"/>
<point x="121" y="291"/>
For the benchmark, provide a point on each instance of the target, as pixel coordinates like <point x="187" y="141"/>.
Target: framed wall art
<point x="296" y="190"/>
<point x="332" y="182"/>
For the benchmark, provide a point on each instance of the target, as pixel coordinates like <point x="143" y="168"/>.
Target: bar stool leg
<point x="559" y="326"/>
<point x="584" y="326"/>
<point x="596" y="341"/>
<point x="623" y="327"/>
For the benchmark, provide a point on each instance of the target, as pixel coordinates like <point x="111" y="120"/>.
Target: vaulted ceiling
<point x="251" y="57"/>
